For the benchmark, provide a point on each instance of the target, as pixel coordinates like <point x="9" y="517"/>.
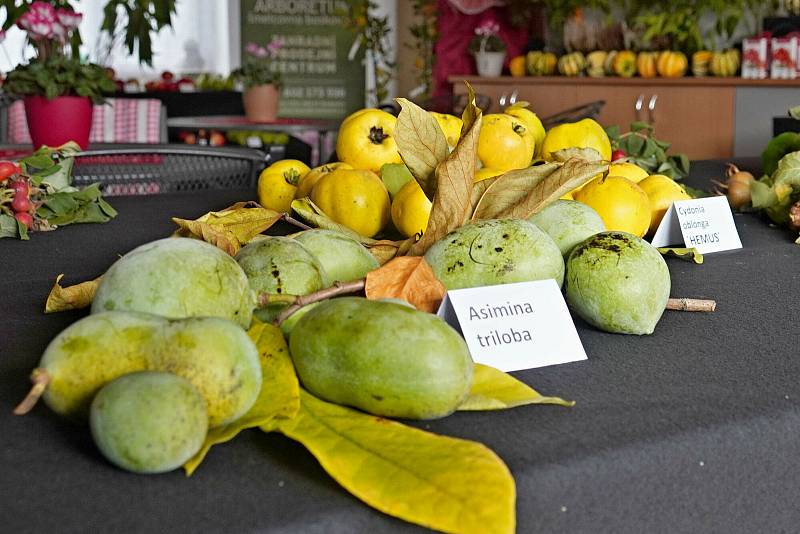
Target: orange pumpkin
<point x="646" y="64"/>
<point x="672" y="64"/>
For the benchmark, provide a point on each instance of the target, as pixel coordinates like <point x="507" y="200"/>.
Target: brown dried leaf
<point x="574" y="173"/>
<point x="565" y="154"/>
<point x="452" y="202"/>
<point x="230" y="228"/>
<point x="72" y="297"/>
<point x="471" y="111"/>
<point x="421" y="144"/>
<point x="510" y="190"/>
<point x="384" y="250"/>
<point x="409" y="278"/>
<point x="568" y="176"/>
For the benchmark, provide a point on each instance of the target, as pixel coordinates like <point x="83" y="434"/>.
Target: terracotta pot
<point x="261" y="103"/>
<point x="54" y="122"/>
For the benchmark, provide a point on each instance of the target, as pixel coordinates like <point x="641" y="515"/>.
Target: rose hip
<point x="618" y="154"/>
<point x="20" y="187"/>
<point x="25" y="218"/>
<point x="8" y="169"/>
<point x="21" y="203"/>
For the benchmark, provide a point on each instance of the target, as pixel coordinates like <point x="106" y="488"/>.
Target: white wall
<point x="206" y="22"/>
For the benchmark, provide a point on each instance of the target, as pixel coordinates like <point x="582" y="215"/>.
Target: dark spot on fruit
<point x="377" y="397"/>
<point x="498" y="249"/>
<point x="460" y="263"/>
<point x="279" y="290"/>
<point x="276" y="273"/>
<point x="505" y="236"/>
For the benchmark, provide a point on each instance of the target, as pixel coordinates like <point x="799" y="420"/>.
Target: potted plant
<point x="261" y="82"/>
<point x="58" y="88"/>
<point x="488" y="49"/>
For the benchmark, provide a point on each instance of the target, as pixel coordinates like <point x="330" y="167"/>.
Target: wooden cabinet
<point x="696" y="115"/>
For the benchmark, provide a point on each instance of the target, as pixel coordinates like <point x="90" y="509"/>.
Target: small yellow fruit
<point x="411" y="209"/>
<point x="313" y="176"/>
<point x="278" y="182"/>
<point x="532" y="122"/>
<point x="585" y="133"/>
<point x="355" y="198"/>
<point x="516" y="66"/>
<point x="628" y="170"/>
<point x="505" y="143"/>
<point x="486" y="173"/>
<point x="366" y="140"/>
<point x="662" y="192"/>
<point x="621" y="204"/>
<point x="450" y="125"/>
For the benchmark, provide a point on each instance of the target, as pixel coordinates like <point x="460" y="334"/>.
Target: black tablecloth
<point x="695" y="428"/>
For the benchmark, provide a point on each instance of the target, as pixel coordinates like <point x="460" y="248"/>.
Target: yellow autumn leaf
<point x="686" y="253"/>
<point x="385" y="250"/>
<point x="230" y="228"/>
<point x="74" y="297"/>
<point x="279" y="396"/>
<point x="492" y="389"/>
<point x="439" y="482"/>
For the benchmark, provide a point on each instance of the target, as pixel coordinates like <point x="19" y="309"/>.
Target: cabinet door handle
<point x="638" y="107"/>
<point x="513" y="98"/>
<point x="651" y="108"/>
<point x="502" y="100"/>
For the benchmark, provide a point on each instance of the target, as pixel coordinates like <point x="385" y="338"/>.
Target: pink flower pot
<point x="54" y="122"/>
<point x="261" y="103"/>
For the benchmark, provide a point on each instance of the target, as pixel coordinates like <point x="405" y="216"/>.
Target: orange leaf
<point x="409" y="278"/>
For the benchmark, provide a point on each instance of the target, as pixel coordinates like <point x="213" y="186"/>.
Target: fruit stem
<point x="40" y="379"/>
<point x="691" y="305"/>
<point x="376" y="135"/>
<point x="291" y="220"/>
<point x="338" y="288"/>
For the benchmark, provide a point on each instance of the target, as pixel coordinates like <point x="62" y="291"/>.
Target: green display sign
<point x="319" y="80"/>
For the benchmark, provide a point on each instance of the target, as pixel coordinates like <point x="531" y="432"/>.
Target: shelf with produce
<point x="690" y="81"/>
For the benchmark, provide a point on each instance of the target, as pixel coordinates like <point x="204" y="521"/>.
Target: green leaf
<point x="493" y="389"/>
<point x="312" y="214"/>
<point x="23" y="230"/>
<point x="634" y="145"/>
<point x="640" y="125"/>
<point x="685" y="253"/>
<point x="650" y="148"/>
<point x="421" y="144"/>
<point x="8" y="226"/>
<point x="443" y="483"/>
<point x="778" y="147"/>
<point x="762" y="195"/>
<point x="38" y="161"/>
<point x="279" y="397"/>
<point x="788" y="171"/>
<point x="612" y="132"/>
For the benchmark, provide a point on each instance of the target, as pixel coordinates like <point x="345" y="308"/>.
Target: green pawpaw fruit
<point x="384" y="358"/>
